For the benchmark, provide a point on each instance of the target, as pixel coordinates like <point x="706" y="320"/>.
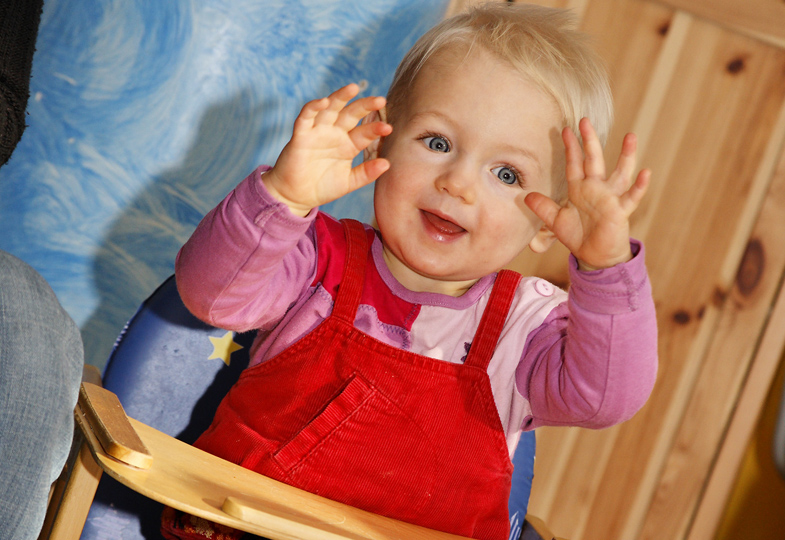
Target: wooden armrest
<point x="99" y="411"/>
<point x="298" y="515"/>
<point x="204" y="485"/>
<point x="91" y="374"/>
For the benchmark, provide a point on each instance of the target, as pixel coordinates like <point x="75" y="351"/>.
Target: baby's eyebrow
<point x="516" y="149"/>
<point x="425" y="115"/>
<point x="524" y="152"/>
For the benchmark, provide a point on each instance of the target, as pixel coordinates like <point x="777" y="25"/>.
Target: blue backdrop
<point x="143" y="115"/>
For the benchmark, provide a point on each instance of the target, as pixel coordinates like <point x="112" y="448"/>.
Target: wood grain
<point x="99" y="411"/>
<point x="67" y="519"/>
<point x="759" y="279"/>
<point x="762" y="19"/>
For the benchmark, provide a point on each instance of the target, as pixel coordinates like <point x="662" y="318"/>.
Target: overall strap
<point x="492" y="322"/>
<point x="351" y="286"/>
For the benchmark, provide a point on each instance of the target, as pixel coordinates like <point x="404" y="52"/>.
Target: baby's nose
<point x="459" y="182"/>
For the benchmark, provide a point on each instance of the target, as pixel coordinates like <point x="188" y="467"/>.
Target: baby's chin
<point x="420" y="276"/>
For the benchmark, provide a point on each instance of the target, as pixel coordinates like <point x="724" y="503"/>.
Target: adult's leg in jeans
<point x="41" y="361"/>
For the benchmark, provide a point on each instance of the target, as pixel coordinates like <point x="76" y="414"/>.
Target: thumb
<point x="367" y="172"/>
<point x="543" y="207"/>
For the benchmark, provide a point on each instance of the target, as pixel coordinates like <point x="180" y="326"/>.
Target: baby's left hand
<point x="594" y="222"/>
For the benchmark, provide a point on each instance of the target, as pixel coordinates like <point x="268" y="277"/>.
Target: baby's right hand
<point x="315" y="166"/>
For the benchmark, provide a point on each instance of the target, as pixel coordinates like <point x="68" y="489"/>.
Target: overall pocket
<point x="363" y="450"/>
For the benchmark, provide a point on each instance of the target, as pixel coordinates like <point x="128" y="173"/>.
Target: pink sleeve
<point x="593" y="361"/>
<point x="247" y="261"/>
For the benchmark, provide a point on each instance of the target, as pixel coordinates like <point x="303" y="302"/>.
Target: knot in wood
<point x="681" y="317"/>
<point x="736" y="65"/>
<point x="751" y="268"/>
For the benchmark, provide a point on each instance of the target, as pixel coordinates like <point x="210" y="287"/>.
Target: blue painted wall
<point x="144" y="114"/>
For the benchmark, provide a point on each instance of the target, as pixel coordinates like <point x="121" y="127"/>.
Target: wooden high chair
<point x="156" y="361"/>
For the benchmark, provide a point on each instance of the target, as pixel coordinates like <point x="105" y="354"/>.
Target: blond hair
<point x="541" y="43"/>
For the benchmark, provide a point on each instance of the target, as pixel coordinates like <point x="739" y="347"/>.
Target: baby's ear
<point x="542" y="241"/>
<point x="372" y="151"/>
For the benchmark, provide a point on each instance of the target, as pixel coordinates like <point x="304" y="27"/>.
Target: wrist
<point x="270" y="181"/>
<point x="610" y="263"/>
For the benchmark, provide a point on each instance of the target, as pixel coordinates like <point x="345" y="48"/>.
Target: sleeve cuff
<point x="611" y="290"/>
<point x="266" y="211"/>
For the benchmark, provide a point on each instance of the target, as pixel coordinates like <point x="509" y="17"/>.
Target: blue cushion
<point x="165" y="352"/>
<point x="522" y="477"/>
<point x="161" y="370"/>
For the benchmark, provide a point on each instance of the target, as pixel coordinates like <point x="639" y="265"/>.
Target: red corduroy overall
<point x="345" y="416"/>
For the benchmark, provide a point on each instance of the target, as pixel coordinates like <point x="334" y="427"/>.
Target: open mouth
<point x="441" y="226"/>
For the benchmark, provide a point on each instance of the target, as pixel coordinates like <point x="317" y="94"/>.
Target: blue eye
<point x="506" y="175"/>
<point x="437" y="144"/>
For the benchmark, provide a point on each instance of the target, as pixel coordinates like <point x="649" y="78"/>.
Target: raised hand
<point x="315" y="166"/>
<point x="594" y="222"/>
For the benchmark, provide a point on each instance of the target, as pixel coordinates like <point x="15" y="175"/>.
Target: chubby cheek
<point x="388" y="209"/>
<point x="394" y="190"/>
<point x="508" y="233"/>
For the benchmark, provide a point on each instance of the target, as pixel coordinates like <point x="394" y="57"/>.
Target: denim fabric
<point x="41" y="362"/>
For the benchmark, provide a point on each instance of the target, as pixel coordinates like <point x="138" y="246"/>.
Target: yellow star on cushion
<point x="223" y="347"/>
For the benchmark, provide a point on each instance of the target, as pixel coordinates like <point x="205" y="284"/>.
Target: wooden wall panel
<point x="706" y="97"/>
<point x="765" y="247"/>
<point x="763" y="19"/>
<point x="710" y="114"/>
<point x="713" y="402"/>
<point x="717" y="117"/>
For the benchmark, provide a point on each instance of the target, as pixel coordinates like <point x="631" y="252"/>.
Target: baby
<point x="396" y="367"/>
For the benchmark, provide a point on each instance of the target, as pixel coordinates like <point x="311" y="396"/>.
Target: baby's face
<point x="474" y="138"/>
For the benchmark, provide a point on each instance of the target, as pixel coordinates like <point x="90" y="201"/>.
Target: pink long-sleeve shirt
<point x="587" y="358"/>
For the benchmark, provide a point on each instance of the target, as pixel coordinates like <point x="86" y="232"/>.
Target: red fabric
<point x="342" y="415"/>
<point x="329" y="273"/>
